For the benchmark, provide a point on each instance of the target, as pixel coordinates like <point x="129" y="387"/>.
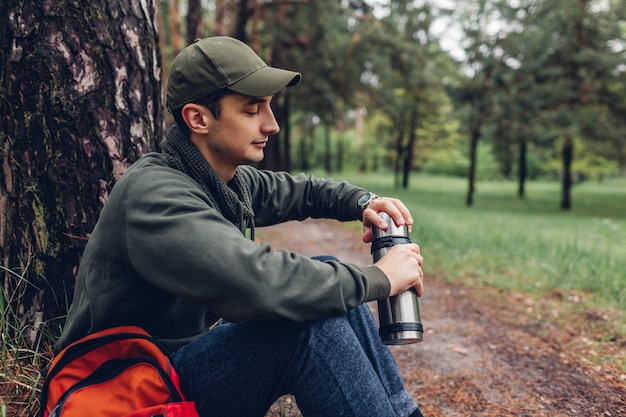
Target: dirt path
<point x="482" y="354"/>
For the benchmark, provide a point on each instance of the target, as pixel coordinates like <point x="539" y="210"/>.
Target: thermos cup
<point x="399" y="316"/>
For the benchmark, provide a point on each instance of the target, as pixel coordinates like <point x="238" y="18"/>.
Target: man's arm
<point x="278" y="197"/>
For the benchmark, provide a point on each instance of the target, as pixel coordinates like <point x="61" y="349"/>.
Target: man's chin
<point x="256" y="158"/>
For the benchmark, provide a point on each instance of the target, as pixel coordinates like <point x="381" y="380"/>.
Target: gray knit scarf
<point x="232" y="200"/>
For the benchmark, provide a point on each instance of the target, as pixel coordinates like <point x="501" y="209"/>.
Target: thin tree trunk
<point x="399" y="151"/>
<point x="175" y="36"/>
<point x="194" y="21"/>
<point x="522" y="170"/>
<point x="285" y="133"/>
<point x="328" y="165"/>
<point x="340" y="150"/>
<point x="303" y="148"/>
<point x="568" y="156"/>
<point x="567" y="153"/>
<point x="408" y="159"/>
<point x="471" y="177"/>
<point x="255" y="38"/>
<point x="243" y="14"/>
<point x="398" y="160"/>
<point x="81" y="101"/>
<point x="221" y="16"/>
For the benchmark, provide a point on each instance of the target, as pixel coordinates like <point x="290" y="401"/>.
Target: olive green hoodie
<point x="168" y="254"/>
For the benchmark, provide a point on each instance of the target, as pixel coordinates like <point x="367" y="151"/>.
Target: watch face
<point x="364" y="200"/>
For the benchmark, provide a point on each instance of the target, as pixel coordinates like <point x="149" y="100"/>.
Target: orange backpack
<point x="118" y="372"/>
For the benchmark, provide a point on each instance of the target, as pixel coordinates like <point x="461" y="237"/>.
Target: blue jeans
<point x="335" y="366"/>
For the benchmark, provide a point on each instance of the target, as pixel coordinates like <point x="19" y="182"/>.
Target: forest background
<point x="532" y="92"/>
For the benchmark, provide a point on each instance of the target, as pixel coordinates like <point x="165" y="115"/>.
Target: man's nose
<point x="270" y="125"/>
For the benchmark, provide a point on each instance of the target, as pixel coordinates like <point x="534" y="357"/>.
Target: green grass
<point x="527" y="245"/>
<point x="23" y="352"/>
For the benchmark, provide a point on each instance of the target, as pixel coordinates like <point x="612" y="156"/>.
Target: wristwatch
<point x="365" y="200"/>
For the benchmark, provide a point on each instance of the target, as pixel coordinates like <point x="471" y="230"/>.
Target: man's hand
<point x="403" y="267"/>
<point x="403" y="263"/>
<point x="392" y="206"/>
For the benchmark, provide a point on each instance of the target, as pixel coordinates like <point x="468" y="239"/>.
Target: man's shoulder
<point x="250" y="172"/>
<point x="152" y="170"/>
<point x="152" y="163"/>
<point x="152" y="159"/>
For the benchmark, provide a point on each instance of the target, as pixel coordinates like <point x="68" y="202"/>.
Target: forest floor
<point x="488" y="352"/>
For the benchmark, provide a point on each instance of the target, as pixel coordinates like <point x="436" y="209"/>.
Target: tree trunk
<point x="243" y="14"/>
<point x="279" y="147"/>
<point x="328" y="158"/>
<point x="221" y="18"/>
<point x="162" y="29"/>
<point x="408" y="157"/>
<point x="341" y="146"/>
<point x="522" y="170"/>
<point x="81" y="100"/>
<point x="397" y="162"/>
<point x="567" y="154"/>
<point x="398" y="154"/>
<point x="194" y="21"/>
<point x="255" y="36"/>
<point x="285" y="134"/>
<point x="304" y="154"/>
<point x="566" y="188"/>
<point x="175" y="36"/>
<point x="471" y="177"/>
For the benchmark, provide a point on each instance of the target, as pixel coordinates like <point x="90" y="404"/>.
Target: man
<point x="246" y="323"/>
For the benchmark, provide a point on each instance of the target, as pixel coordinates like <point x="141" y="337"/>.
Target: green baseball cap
<point x="218" y="62"/>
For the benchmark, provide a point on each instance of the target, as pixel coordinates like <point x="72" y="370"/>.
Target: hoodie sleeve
<point x="181" y="244"/>
<point x="279" y="197"/>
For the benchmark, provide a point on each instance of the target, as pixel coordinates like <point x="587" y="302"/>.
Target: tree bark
<point x="81" y="100"/>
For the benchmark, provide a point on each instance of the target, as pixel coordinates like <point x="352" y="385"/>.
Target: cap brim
<point x="265" y="81"/>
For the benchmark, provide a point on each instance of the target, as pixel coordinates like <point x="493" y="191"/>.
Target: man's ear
<point x="197" y="117"/>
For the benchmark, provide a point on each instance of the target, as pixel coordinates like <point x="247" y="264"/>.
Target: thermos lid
<point x="392" y="230"/>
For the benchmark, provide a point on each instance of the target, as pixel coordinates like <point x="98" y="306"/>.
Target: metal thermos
<point x="399" y="315"/>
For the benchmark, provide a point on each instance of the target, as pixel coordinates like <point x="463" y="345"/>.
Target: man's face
<point x="241" y="133"/>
